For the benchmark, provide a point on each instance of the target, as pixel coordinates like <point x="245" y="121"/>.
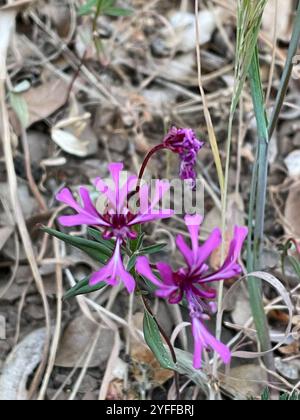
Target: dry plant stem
<point x="169" y="344"/>
<point x="287" y="72"/>
<point x="272" y="69"/>
<point x="19" y="217"/>
<point x="33" y="187"/>
<point x="56" y="335"/>
<point x="86" y="365"/>
<point x="76" y="75"/>
<point x="208" y="120"/>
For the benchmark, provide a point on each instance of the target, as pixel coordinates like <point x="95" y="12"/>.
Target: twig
<point x="32" y="185"/>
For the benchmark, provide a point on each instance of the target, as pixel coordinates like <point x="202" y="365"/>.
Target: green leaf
<point x="94" y="249"/>
<point x="83" y="288"/>
<point x="136" y="244"/>
<point x="117" y="12"/>
<point x="295" y="264"/>
<point x="87" y="8"/>
<point x="185" y="367"/>
<point x="20" y="107"/>
<point x="108" y="244"/>
<point x="154" y="249"/>
<point x="265" y="396"/>
<point x="154" y="341"/>
<point x="131" y="263"/>
<point x="107" y="4"/>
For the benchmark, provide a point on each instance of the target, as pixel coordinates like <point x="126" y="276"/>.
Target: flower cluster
<point x="192" y="281"/>
<point x="119" y="219"/>
<point x="184" y="142"/>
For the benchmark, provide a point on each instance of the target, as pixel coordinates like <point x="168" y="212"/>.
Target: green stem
<point x="287" y="72"/>
<point x="259" y="181"/>
<point x="97" y="41"/>
<point x="257" y="210"/>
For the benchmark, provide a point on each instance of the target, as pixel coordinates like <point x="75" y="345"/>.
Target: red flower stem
<point x="146" y="161"/>
<point x="143" y="168"/>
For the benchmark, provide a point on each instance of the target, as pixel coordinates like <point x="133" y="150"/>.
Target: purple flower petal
<point x="230" y="268"/>
<point x="148" y="213"/>
<point x="210" y="245"/>
<point x="165" y="289"/>
<point x="193" y="224"/>
<point x="114" y="272"/>
<point x="185" y="250"/>
<point x="204" y="340"/>
<point x="118" y="194"/>
<point x="87" y="214"/>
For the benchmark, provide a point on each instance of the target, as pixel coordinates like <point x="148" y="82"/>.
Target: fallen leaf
<point x="292" y="162"/>
<point x="248" y="380"/>
<point x="74" y="134"/>
<point x="290" y="349"/>
<point x="42" y="101"/>
<point x="75" y="340"/>
<point x="288" y="369"/>
<point x="19" y="365"/>
<point x="184" y="25"/>
<point x="17" y="5"/>
<point x="291" y="212"/>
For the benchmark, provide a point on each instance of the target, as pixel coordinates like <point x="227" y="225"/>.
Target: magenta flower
<point x="193" y="282"/>
<point x="184" y="142"/>
<point x="117" y="220"/>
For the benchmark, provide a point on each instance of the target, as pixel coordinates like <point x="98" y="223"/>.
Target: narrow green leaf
<point x="153" y="249"/>
<point x="97" y="235"/>
<point x="295" y="264"/>
<point x="131" y="263"/>
<point x="91" y="248"/>
<point x="87" y="8"/>
<point x="107" y="4"/>
<point x="117" y="12"/>
<point x="265" y="396"/>
<point x="154" y="341"/>
<point x="83" y="288"/>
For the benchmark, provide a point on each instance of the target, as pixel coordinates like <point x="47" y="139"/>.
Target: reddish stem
<point x="146" y="161"/>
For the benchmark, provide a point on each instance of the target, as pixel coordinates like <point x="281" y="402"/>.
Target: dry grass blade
<point x="210" y="127"/>
<point x="57" y="332"/>
<point x="7" y="20"/>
